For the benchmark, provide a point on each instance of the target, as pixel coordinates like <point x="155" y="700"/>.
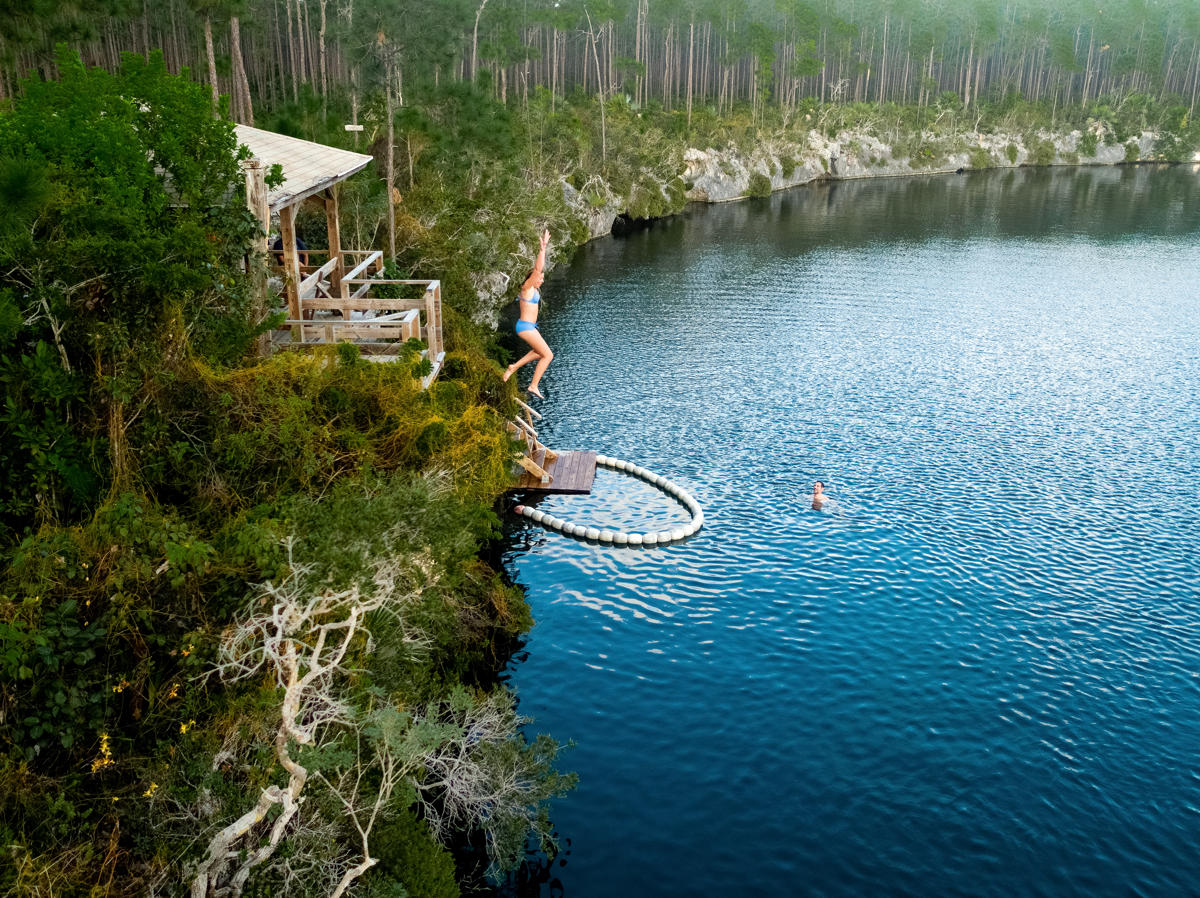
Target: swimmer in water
<point x="529" y="299"/>
<point x="819" y="497"/>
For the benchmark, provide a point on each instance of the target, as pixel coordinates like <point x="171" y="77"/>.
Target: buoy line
<point x="621" y="537"/>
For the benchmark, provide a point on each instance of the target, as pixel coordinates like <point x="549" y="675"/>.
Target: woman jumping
<point x="527" y="329"/>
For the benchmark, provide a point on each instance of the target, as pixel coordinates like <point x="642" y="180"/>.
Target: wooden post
<point x="256" y="195"/>
<point x="335" y="247"/>
<point x="431" y="325"/>
<point x="291" y="260"/>
<point x="256" y="200"/>
<point x="437" y="304"/>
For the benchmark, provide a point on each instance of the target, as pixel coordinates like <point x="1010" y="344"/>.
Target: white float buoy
<point x="620" y="537"/>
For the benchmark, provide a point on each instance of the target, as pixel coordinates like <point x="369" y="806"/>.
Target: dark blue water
<point x="977" y="674"/>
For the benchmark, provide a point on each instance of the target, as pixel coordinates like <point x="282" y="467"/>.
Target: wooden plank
<point x="566" y="466"/>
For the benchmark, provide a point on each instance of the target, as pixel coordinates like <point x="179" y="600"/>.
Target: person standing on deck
<point x="529" y="299"/>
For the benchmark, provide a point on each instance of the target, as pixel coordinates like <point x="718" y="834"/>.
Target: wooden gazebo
<point x="327" y="291"/>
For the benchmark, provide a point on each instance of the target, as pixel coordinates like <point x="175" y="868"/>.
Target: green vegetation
<point x="151" y="694"/>
<point x="760" y="185"/>
<point x="1041" y="151"/>
<point x="1089" y="143"/>
<point x="980" y="158"/>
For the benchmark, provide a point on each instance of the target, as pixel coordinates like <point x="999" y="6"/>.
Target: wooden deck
<point x="571" y="473"/>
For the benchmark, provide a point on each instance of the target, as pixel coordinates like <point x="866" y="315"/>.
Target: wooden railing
<point x="396" y="320"/>
<point x="430" y="303"/>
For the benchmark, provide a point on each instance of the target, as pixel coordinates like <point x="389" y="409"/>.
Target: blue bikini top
<point x="537" y="297"/>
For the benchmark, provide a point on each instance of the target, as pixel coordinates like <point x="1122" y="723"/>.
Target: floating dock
<point x="571" y="473"/>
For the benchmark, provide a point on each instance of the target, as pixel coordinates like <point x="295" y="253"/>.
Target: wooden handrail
<point x="358" y="305"/>
<point x="310" y="282"/>
<point x="362" y="266"/>
<point x="429" y="285"/>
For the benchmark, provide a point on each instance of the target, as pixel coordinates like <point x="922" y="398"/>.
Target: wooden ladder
<point x="535" y="450"/>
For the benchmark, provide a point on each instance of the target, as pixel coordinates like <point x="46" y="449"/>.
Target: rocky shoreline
<point x="713" y="175"/>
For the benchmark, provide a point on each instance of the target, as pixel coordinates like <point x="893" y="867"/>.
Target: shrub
<point x="1132" y="151"/>
<point x="787" y="165"/>
<point x="980" y="158"/>
<point x="408" y="853"/>
<point x="1089" y="143"/>
<point x="760" y="185"/>
<point x="1041" y="152"/>
<point x="1011" y="152"/>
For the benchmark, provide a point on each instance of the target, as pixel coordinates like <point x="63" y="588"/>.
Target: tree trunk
<point x="599" y="86"/>
<point x="391" y="160"/>
<point x="302" y="37"/>
<point x="241" y="84"/>
<point x="475" y="40"/>
<point x="292" y="53"/>
<point x="691" y="51"/>
<point x="212" y="65"/>
<point x="324" y="73"/>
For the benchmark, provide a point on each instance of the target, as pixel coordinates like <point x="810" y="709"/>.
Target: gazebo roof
<point x="308" y="167"/>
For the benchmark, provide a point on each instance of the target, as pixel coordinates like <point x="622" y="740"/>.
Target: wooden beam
<point x="436" y="287"/>
<point x="529" y="465"/>
<point x="291" y="260"/>
<point x="362" y="304"/>
<point x="333" y="226"/>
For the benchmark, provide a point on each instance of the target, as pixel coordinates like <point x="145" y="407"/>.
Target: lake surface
<point x="978" y="673"/>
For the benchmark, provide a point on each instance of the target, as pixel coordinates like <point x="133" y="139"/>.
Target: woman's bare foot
<point x="508" y="372"/>
<point x="534" y="391"/>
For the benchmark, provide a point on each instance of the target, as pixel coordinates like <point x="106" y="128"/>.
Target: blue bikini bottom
<point x="523" y="326"/>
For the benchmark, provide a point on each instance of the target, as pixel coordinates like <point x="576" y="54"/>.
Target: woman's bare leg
<point x="545" y="357"/>
<point x="520" y="363"/>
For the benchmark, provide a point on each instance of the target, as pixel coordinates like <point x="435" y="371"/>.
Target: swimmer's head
<point x="537" y="277"/>
<point x="818" y="486"/>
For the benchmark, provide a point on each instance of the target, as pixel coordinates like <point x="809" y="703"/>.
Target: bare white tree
<point x="462" y="757"/>
<point x="301" y="640"/>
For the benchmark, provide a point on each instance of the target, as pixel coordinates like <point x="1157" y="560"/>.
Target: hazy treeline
<point x="676" y="52"/>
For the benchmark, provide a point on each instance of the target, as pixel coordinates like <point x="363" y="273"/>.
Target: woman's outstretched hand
<point x="545" y="237"/>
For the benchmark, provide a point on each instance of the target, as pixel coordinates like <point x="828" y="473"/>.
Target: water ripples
<point x="978" y="673"/>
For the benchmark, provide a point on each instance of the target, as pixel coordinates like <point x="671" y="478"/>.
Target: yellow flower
<point x="153" y="788"/>
<point x="184" y="727"/>
<point x="105" y="759"/>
